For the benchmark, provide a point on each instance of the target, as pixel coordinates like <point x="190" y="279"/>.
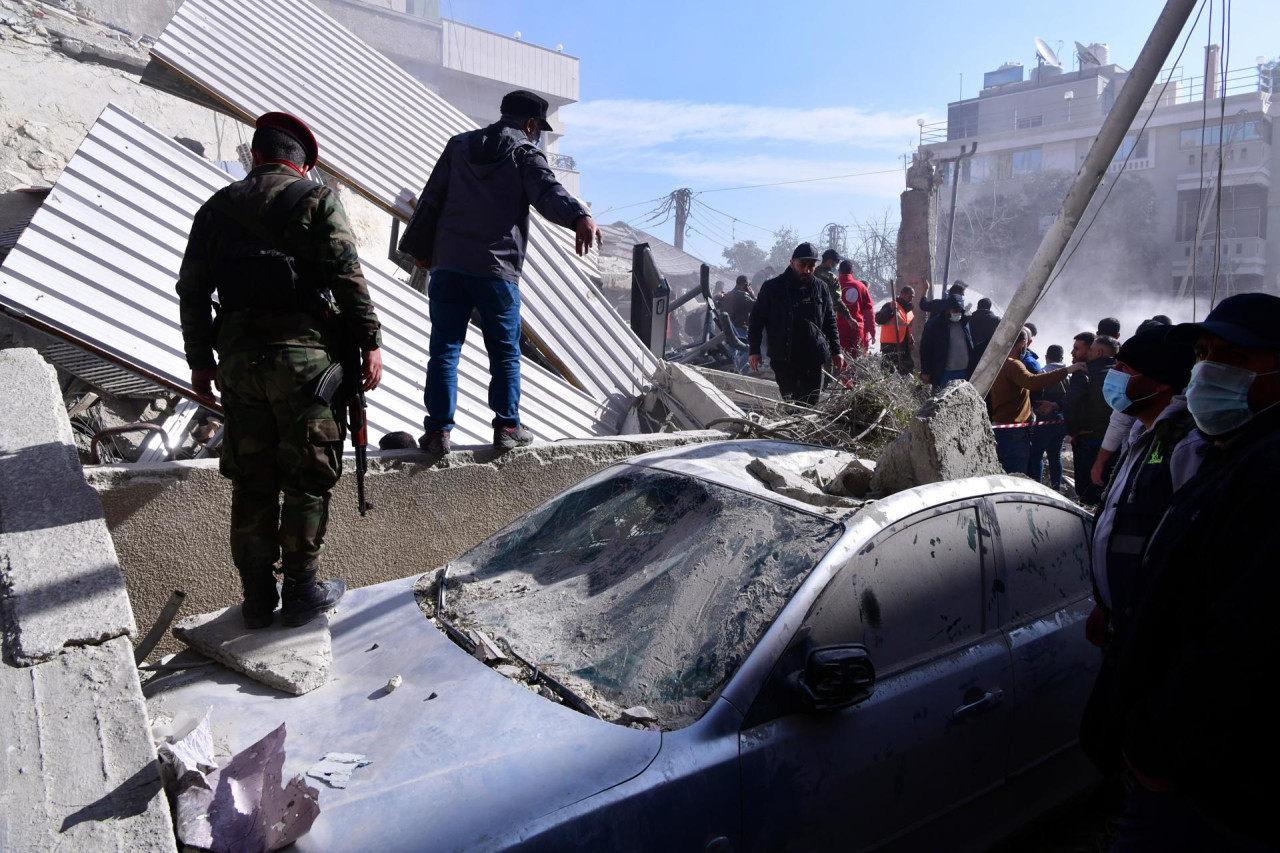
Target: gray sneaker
<point x="509" y="438"/>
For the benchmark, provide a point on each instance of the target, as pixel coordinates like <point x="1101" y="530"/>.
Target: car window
<point x="639" y="587"/>
<point x="1046" y="557"/>
<point x="909" y="594"/>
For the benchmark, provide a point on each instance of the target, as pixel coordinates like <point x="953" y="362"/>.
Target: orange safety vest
<point x="899" y="331"/>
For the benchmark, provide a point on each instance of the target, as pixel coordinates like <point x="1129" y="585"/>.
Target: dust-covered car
<point x="671" y="656"/>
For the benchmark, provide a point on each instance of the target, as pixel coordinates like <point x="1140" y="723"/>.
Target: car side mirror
<point x="836" y="677"/>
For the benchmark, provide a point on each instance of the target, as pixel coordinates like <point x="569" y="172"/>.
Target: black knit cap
<point x="1164" y="357"/>
<point x="525" y="104"/>
<point x="831" y="254"/>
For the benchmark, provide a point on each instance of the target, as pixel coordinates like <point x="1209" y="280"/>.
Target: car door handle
<point x="989" y="700"/>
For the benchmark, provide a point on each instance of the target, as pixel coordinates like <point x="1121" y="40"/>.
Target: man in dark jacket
<point x="737" y="304"/>
<point x="982" y="324"/>
<point x="946" y="346"/>
<point x="942" y="303"/>
<point x="1191" y="719"/>
<point x="795" y="313"/>
<point x="1088" y="414"/>
<point x="470" y="229"/>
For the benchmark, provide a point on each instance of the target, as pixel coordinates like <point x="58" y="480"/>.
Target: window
<point x="1029" y="122"/>
<point x="1017" y="164"/>
<point x="1046" y="557"/>
<point x="962" y="121"/>
<point x="1195" y="137"/>
<point x="914" y="593"/>
<point x="650" y="587"/>
<point x="1135" y="144"/>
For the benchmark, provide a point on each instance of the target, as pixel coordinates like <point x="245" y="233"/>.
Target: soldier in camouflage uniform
<point x="826" y="273"/>
<point x="275" y="254"/>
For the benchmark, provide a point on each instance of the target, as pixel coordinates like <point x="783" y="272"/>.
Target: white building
<point x="469" y="67"/>
<point x="1048" y="121"/>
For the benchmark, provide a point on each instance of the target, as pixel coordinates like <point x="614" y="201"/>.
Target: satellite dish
<point x="1046" y="54"/>
<point x="1086" y="55"/>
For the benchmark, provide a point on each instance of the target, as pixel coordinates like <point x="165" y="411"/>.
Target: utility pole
<point x="681" y="199"/>
<point x="1128" y="102"/>
<point x="835" y="236"/>
<point x="965" y="153"/>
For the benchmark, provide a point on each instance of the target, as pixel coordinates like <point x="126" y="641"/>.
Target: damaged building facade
<point x="1207" y="154"/>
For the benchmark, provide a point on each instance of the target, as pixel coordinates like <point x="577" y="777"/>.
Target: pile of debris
<point x="862" y="412"/>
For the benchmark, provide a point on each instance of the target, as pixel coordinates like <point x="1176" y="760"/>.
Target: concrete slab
<point x="948" y="438"/>
<point x="78" y="769"/>
<point x="700" y="399"/>
<point x="294" y="660"/>
<point x="60" y="582"/>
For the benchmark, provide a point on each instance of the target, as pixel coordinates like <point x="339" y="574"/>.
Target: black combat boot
<point x="260" y="597"/>
<point x="304" y="599"/>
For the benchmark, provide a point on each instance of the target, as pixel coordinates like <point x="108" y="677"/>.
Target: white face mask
<point x="1218" y="396"/>
<point x="955" y="318"/>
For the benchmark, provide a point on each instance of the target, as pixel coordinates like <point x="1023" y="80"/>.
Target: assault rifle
<point x="343" y="378"/>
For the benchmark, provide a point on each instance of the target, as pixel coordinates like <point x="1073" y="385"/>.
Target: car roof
<point x="726" y="463"/>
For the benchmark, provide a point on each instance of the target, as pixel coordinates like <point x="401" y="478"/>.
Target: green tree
<point x="785" y="241"/>
<point x="745" y="256"/>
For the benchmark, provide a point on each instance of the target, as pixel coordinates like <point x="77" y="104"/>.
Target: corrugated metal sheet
<point x="381" y="131"/>
<point x="98" y="372"/>
<point x="99" y="261"/>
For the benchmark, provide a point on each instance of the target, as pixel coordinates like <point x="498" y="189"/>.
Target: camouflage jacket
<point x="319" y="238"/>
<point x="832" y="281"/>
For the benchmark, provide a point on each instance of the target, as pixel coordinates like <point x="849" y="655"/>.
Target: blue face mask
<point x="1115" y="390"/>
<point x="1218" y="396"/>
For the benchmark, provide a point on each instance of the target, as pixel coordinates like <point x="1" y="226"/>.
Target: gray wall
<point x="140" y="17"/>
<point x="169" y="521"/>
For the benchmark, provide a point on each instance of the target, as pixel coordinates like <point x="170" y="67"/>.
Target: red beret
<point x="296" y="128"/>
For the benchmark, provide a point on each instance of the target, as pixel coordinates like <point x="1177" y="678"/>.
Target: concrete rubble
<point x="293" y="660"/>
<point x="79" y="769"/>
<point x="60" y="583"/>
<point x="948" y="438"/>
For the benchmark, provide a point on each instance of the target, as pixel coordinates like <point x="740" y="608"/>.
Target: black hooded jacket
<point x="797" y="317"/>
<point x="473" y="216"/>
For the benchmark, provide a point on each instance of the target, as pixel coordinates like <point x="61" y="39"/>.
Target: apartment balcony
<point x="1135" y="164"/>
<point x="1240" y="256"/>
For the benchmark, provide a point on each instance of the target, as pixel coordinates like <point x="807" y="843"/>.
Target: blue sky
<point x="712" y="95"/>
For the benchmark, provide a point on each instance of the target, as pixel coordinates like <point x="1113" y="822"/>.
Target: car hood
<point x="483" y="757"/>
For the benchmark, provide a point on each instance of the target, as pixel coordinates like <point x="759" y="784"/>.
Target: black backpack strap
<point x="282" y="208"/>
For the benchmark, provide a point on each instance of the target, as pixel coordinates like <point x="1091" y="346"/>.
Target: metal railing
<point x="1182" y="89"/>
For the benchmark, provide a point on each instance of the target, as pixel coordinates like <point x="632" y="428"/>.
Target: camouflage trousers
<point x="278" y="440"/>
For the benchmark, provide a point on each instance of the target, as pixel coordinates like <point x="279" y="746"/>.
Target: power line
<point x="633" y="204"/>
<point x="801" y="181"/>
<point x="734" y="218"/>
<point x="1222" y="134"/>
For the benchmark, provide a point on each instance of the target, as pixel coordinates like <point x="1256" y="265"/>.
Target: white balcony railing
<point x="1135" y="164"/>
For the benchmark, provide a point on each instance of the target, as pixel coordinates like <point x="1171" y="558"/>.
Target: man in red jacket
<point x="862" y="331"/>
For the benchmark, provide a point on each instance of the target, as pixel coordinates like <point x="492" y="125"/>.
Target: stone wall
<point x="169" y="521"/>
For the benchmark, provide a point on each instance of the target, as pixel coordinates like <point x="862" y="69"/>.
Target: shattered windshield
<point x="638" y="587"/>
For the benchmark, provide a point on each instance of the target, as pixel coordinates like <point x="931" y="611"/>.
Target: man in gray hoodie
<point x="470" y="229"/>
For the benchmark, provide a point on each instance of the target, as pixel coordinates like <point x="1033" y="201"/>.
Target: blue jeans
<point x="1047" y="438"/>
<point x="453" y="296"/>
<point x="1013" y="446"/>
